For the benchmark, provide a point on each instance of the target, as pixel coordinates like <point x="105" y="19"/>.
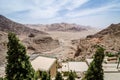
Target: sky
<point x="95" y="13"/>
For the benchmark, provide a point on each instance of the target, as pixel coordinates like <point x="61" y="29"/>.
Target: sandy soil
<point x="67" y="36"/>
<point x="66" y="50"/>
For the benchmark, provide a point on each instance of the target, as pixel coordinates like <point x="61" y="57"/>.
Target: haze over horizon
<point x="95" y="13"/>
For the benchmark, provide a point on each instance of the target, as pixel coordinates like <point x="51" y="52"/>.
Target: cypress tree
<point x="18" y="64"/>
<point x="71" y="76"/>
<point x="58" y="76"/>
<point x="95" y="71"/>
<point x="45" y="76"/>
<point x="48" y="77"/>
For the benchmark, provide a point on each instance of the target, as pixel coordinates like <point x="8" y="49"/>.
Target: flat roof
<point x="64" y="66"/>
<point x="43" y="63"/>
<point x="75" y="66"/>
<point x="78" y="66"/>
<point x="110" y="67"/>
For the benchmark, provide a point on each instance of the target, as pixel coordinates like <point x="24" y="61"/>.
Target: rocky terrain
<point x="34" y="40"/>
<point x="112" y="30"/>
<point x="3" y="45"/>
<point x="62" y="40"/>
<point x="109" y="38"/>
<point x="68" y="35"/>
<point x="8" y="25"/>
<point x="67" y="42"/>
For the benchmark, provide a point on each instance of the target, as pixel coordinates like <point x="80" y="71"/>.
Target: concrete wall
<point x="53" y="69"/>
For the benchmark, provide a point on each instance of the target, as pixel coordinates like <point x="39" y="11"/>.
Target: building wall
<point x="53" y="69"/>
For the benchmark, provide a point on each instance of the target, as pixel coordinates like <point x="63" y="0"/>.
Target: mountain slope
<point x="34" y="40"/>
<point x="109" y="38"/>
<point x="113" y="30"/>
<point x="3" y="46"/>
<point x="8" y="25"/>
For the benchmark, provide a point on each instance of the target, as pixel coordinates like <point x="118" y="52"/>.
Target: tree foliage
<point x="45" y="76"/>
<point x="95" y="71"/>
<point x="18" y="64"/>
<point x="58" y="76"/>
<point x="71" y="76"/>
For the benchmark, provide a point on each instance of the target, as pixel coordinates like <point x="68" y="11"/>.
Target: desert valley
<point x="64" y="41"/>
<point x="59" y="40"/>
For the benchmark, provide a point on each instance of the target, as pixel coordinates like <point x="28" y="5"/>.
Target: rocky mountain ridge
<point x="64" y="27"/>
<point x="8" y="25"/>
<point x="113" y="30"/>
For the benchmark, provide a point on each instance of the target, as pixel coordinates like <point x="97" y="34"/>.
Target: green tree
<point x="45" y="76"/>
<point x="48" y="77"/>
<point x="95" y="71"/>
<point x="18" y="64"/>
<point x="58" y="76"/>
<point x="1" y="78"/>
<point x="71" y="76"/>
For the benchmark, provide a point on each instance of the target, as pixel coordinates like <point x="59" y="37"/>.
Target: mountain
<point x="3" y="46"/>
<point x="109" y="38"/>
<point x="65" y="27"/>
<point x="8" y="25"/>
<point x="34" y="40"/>
<point x="113" y="30"/>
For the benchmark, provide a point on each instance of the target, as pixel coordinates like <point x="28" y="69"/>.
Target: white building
<point x="45" y="64"/>
<point x="74" y="66"/>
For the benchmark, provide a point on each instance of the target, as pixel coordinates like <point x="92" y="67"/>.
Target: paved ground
<point x="111" y="76"/>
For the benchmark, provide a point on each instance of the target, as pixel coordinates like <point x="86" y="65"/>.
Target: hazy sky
<point x="96" y="13"/>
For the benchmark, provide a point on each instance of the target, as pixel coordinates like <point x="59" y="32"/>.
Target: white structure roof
<point x="110" y="67"/>
<point x="43" y="63"/>
<point x="64" y="67"/>
<point x="78" y="66"/>
<point x="75" y="66"/>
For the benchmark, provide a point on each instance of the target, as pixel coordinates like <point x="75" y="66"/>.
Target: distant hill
<point x="8" y="25"/>
<point x="65" y="27"/>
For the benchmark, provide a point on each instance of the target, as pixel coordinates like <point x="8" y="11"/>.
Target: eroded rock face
<point x="109" y="38"/>
<point x="39" y="40"/>
<point x="34" y="40"/>
<point x="3" y="46"/>
<point x="40" y="44"/>
<point x="112" y="30"/>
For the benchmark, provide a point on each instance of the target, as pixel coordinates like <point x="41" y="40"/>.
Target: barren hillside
<point x="109" y="38"/>
<point x="34" y="40"/>
<point x="68" y="35"/>
<point x="8" y="25"/>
